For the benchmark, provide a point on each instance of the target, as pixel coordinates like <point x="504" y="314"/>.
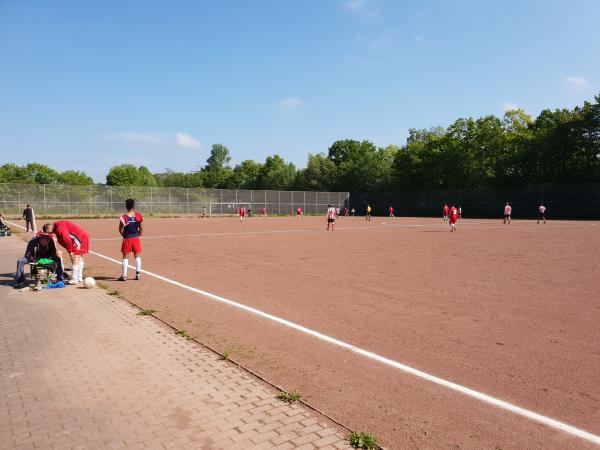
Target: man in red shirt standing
<point x="299" y="212"/>
<point x="77" y="242"/>
<point x="264" y="212"/>
<point x="392" y="212"/>
<point x="242" y="212"/>
<point x="453" y="217"/>
<point x="507" y="213"/>
<point x="445" y="211"/>
<point x="331" y="215"/>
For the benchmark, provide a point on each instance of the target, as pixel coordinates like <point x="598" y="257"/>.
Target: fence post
<point x="279" y="202"/>
<point x="251" y="204"/>
<point x="151" y="201"/>
<point x="304" y="201"/>
<point x="18" y="197"/>
<point x="45" y="207"/>
<point x="170" y="208"/>
<point x="187" y="200"/>
<point x="68" y="200"/>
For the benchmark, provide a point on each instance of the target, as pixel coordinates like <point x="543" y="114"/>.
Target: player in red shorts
<point x="392" y="212"/>
<point x="242" y="212"/>
<point x="264" y="212"/>
<point x="445" y="211"/>
<point x="453" y="217"/>
<point x="299" y="212"/>
<point x="131" y="228"/>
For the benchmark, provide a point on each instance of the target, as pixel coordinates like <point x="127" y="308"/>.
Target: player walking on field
<point x="541" y="213"/>
<point x="453" y="217"/>
<point x="299" y="212"/>
<point x="368" y="216"/>
<point x="392" y="212"/>
<point x="445" y="211"/>
<point x="507" y="212"/>
<point x="131" y="228"/>
<point x="331" y="215"/>
<point x="242" y="212"/>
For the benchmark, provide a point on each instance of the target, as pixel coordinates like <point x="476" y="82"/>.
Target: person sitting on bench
<point x="4" y="228"/>
<point x="41" y="246"/>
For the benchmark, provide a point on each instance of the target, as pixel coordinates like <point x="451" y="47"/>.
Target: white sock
<point x="138" y="264"/>
<point x="75" y="272"/>
<point x="80" y="274"/>
<point x="124" y="269"/>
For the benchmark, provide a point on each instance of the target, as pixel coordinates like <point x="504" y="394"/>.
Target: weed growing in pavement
<point x="289" y="397"/>
<point x="225" y="356"/>
<point x="184" y="334"/>
<point x="115" y="293"/>
<point x="146" y="312"/>
<point x="359" y="439"/>
<point x="102" y="285"/>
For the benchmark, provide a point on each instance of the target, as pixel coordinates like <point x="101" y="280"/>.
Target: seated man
<point x="4" y="228"/>
<point x="41" y="246"/>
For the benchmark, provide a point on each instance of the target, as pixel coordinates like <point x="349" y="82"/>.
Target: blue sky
<point x="88" y="85"/>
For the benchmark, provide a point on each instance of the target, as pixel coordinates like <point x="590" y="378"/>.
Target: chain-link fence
<point x="99" y="200"/>
<point x="580" y="201"/>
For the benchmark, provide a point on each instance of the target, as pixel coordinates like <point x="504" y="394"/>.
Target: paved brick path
<point x="80" y="369"/>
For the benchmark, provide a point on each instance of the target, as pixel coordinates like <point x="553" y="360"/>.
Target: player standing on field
<point x="541" y="213"/>
<point x="299" y="212"/>
<point x="445" y="211"/>
<point x="453" y="217"/>
<point x="331" y="215"/>
<point x="242" y="212"/>
<point x="507" y="212"/>
<point x="392" y="212"/>
<point x="368" y="216"/>
<point x="29" y="219"/>
<point x="131" y="228"/>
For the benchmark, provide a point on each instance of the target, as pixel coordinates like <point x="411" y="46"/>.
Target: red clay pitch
<point x="509" y="310"/>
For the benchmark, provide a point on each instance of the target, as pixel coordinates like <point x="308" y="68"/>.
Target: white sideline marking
<point x="502" y="404"/>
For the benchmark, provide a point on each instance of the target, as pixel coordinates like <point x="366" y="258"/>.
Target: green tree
<point x="75" y="177"/>
<point x="130" y="175"/>
<point x="318" y="175"/>
<point x="245" y="175"/>
<point x="276" y="174"/>
<point x="217" y="171"/>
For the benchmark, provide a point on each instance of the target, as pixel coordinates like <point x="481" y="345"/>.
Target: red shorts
<point x="452" y="219"/>
<point x="131" y="245"/>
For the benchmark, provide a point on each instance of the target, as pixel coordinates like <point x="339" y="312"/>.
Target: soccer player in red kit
<point x="77" y="242"/>
<point x="507" y="213"/>
<point x="453" y="217"/>
<point x="131" y="228"/>
<point x="242" y="212"/>
<point x="445" y="211"/>
<point x="299" y="212"/>
<point x="264" y="212"/>
<point x="392" y="212"/>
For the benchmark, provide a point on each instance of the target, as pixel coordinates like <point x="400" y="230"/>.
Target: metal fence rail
<point x="99" y="200"/>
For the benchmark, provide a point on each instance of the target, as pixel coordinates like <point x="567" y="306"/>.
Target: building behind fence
<point x="97" y="200"/>
<point x="581" y="201"/>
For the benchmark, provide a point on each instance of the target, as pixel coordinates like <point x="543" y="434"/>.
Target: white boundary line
<point x="502" y="404"/>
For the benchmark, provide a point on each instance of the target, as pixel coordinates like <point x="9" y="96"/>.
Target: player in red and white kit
<point x="391" y="212"/>
<point x="507" y="212"/>
<point x="299" y="212"/>
<point x="453" y="217"/>
<point x="445" y="211"/>
<point x="331" y="215"/>
<point x="131" y="228"/>
<point x="264" y="212"/>
<point x="77" y="242"/>
<point x="242" y="212"/>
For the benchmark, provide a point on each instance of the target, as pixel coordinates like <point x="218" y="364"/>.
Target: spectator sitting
<point x="41" y="246"/>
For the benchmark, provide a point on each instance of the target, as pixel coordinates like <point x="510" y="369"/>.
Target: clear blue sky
<point x="88" y="85"/>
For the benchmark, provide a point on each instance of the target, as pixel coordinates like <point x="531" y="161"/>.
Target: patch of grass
<point x="225" y="356"/>
<point x="289" y="397"/>
<point x="184" y="334"/>
<point x="359" y="439"/>
<point x="102" y="285"/>
<point x="115" y="293"/>
<point x="146" y="312"/>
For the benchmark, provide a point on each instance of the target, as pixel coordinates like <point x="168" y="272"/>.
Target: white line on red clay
<point x="502" y="404"/>
<point x="388" y="226"/>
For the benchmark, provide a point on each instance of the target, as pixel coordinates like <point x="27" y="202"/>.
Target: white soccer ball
<point x="89" y="282"/>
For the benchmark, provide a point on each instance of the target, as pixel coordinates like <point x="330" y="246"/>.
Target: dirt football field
<point x="511" y="312"/>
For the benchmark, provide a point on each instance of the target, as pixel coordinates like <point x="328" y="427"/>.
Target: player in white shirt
<point x="507" y="212"/>
<point x="541" y="213"/>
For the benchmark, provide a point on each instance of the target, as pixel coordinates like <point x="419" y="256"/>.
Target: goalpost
<point x="227" y="208"/>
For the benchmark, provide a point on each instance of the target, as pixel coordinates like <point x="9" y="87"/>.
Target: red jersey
<point x="445" y="210"/>
<point x="264" y="211"/>
<point x="453" y="214"/>
<point x="243" y="212"/>
<point x="299" y="211"/>
<point x="72" y="237"/>
<point x="391" y="210"/>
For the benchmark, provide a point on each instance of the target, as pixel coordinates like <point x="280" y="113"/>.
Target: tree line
<point x="558" y="146"/>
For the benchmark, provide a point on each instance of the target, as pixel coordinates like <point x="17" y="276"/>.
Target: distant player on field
<point x="299" y="212"/>
<point x="29" y="218"/>
<point x="391" y="212"/>
<point x="331" y="215"/>
<point x="264" y="212"/>
<point x="453" y="217"/>
<point x="459" y="212"/>
<point x="204" y="212"/>
<point x="507" y="213"/>
<point x="368" y="216"/>
<point x="445" y="211"/>
<point x="131" y="228"/>
<point x="242" y="213"/>
<point x="541" y="213"/>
